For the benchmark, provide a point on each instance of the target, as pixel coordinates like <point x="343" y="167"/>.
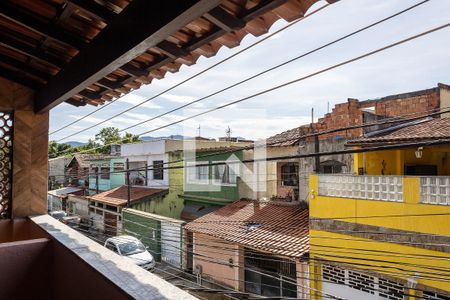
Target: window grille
<point x="6" y="130"/>
<point x="158" y="171"/>
<point x="434" y="296"/>
<point x="381" y="287"/>
<point x="385" y="188"/>
<point x="333" y="274"/>
<point x="390" y="289"/>
<point x="435" y="190"/>
<point x="362" y="282"/>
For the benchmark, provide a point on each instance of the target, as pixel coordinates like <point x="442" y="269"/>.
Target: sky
<point x="416" y="65"/>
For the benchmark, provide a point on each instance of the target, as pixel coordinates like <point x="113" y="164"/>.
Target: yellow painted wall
<point x="401" y="262"/>
<point x="357" y="210"/>
<point x="392" y="162"/>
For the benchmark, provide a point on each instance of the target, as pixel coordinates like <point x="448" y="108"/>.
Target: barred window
<point x="361" y="281"/>
<point x="333" y="274"/>
<point x="434" y="296"/>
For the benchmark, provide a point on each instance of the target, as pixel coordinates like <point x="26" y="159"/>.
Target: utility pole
<point x="96" y="180"/>
<point x="128" y="184"/>
<point x="146" y="173"/>
<point x="316" y="144"/>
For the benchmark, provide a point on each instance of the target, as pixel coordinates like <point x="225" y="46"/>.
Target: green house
<point x="210" y="182"/>
<point x="106" y="180"/>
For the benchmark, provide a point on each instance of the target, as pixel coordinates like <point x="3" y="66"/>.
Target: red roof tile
<point x="427" y="130"/>
<point x="270" y="227"/>
<point x="119" y="196"/>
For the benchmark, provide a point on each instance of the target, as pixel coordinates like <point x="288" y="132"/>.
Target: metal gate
<point x="171" y="243"/>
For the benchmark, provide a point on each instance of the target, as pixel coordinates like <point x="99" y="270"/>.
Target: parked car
<point x="131" y="248"/>
<point x="72" y="221"/>
<point x="58" y="214"/>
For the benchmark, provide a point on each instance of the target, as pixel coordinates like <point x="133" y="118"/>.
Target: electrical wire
<point x="197" y="74"/>
<point x="365" y="55"/>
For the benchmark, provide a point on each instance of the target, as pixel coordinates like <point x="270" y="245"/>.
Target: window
<point x="104" y="171"/>
<point x="198" y="174"/>
<point x="289" y="174"/>
<point x="111" y="247"/>
<point x="118" y="166"/>
<point x="381" y="287"/>
<point x="225" y="174"/>
<point x="94" y="170"/>
<point x="158" y="171"/>
<point x="434" y="296"/>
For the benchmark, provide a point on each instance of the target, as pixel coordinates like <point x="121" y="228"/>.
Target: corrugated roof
<point x="276" y="228"/>
<point x="427" y="130"/>
<point x="119" y="195"/>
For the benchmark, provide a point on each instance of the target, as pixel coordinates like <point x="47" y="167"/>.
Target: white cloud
<point x="178" y="98"/>
<point x="136" y="99"/>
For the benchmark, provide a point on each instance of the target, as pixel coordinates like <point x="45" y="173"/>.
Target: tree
<point x="129" y="138"/>
<point x="108" y="135"/>
<point x="55" y="149"/>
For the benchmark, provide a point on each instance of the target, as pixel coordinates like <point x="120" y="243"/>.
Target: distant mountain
<point x="74" y="143"/>
<point x="153" y="138"/>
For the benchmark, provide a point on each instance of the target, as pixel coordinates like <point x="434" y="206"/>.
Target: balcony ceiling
<point x="92" y="51"/>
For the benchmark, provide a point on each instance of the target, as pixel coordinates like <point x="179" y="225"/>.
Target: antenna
<point x="199" y="130"/>
<point x="228" y="133"/>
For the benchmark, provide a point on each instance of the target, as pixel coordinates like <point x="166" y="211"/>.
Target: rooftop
<point x="269" y="227"/>
<point x="431" y="129"/>
<point x="118" y="196"/>
<point x="58" y="47"/>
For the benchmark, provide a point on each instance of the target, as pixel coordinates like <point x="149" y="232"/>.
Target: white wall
<point x="149" y="152"/>
<point x="143" y="148"/>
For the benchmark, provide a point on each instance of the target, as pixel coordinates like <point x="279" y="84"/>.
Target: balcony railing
<point x="435" y="190"/>
<point x="383" y="188"/>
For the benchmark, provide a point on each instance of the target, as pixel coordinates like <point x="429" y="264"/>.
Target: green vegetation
<point x="106" y="136"/>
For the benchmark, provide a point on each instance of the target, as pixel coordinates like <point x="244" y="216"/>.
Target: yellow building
<point x="385" y="233"/>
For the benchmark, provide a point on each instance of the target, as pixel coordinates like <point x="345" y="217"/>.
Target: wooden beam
<point x="90" y="94"/>
<point x="19" y="78"/>
<point x="95" y="9"/>
<point x="141" y="25"/>
<point x="224" y="20"/>
<point x="171" y="50"/>
<point x="110" y="84"/>
<point x="24" y="67"/>
<point x="31" y="51"/>
<point x="134" y="71"/>
<point x="48" y="30"/>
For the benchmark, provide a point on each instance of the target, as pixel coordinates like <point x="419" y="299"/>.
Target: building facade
<point x="101" y="173"/>
<point x="385" y="233"/>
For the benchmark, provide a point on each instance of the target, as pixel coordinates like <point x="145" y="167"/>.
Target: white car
<point x="130" y="247"/>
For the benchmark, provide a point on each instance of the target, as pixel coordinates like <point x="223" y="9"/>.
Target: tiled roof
<point x="280" y="229"/>
<point x="427" y="130"/>
<point x="289" y="137"/>
<point x="83" y="159"/>
<point x="119" y="196"/>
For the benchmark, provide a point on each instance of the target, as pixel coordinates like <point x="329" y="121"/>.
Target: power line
<point x="365" y="55"/>
<point x="227" y="243"/>
<point x="400" y="118"/>
<point x="280" y="65"/>
<point x="377" y="266"/>
<point x="191" y="77"/>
